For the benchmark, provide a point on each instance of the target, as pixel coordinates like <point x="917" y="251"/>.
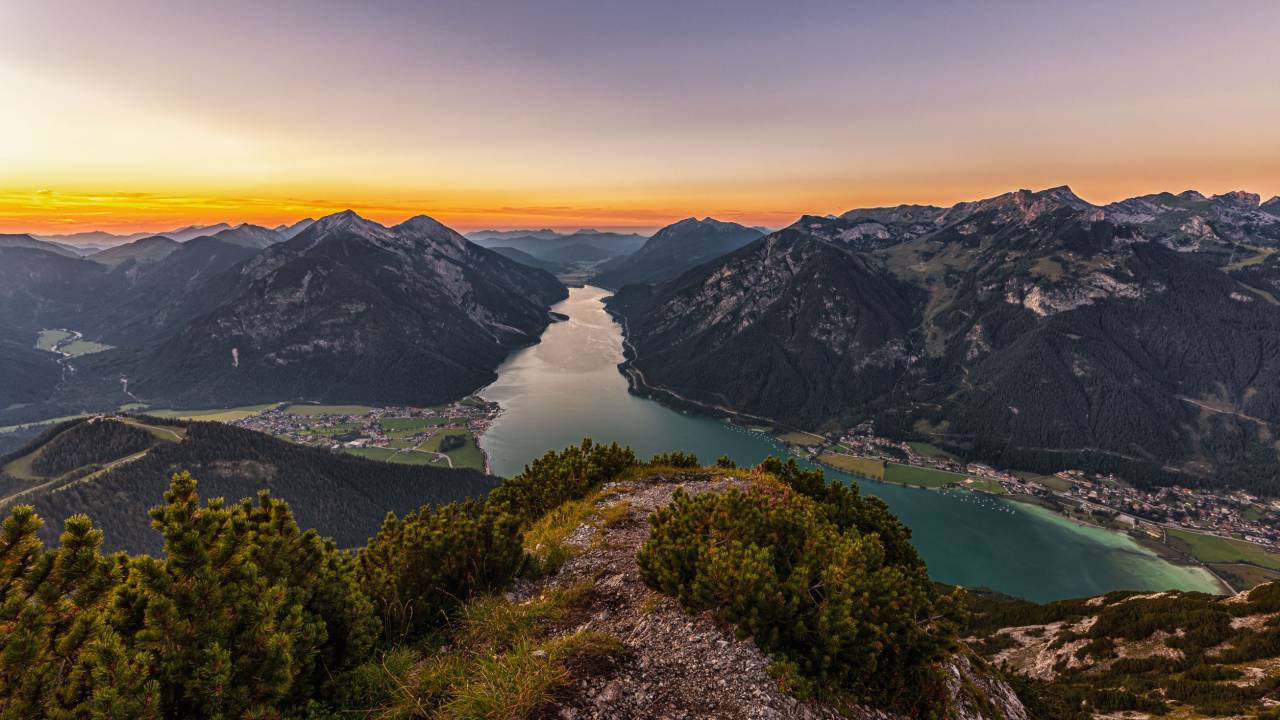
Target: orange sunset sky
<point x="145" y="115"/>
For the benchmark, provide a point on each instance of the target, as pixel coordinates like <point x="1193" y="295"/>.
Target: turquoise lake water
<point x="568" y="387"/>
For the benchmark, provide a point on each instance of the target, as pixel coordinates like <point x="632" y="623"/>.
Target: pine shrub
<point x="813" y="583"/>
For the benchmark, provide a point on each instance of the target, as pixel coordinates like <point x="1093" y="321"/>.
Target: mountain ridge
<point x="346" y="307"/>
<point x="673" y="250"/>
<point x="997" y="302"/>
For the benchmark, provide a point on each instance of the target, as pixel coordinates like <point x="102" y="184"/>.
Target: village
<point x="1221" y="528"/>
<point x="445" y="436"/>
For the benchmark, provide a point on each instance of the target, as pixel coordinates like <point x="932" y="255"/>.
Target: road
<point x="8" y="499"/>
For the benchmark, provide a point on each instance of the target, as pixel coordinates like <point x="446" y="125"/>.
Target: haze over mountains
<point x="583" y="245"/>
<point x="675" y="249"/>
<point x="1032" y="329"/>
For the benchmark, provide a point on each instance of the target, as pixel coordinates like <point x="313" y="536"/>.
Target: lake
<point x="568" y="387"/>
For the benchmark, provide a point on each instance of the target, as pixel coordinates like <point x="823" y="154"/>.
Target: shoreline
<point x="639" y="386"/>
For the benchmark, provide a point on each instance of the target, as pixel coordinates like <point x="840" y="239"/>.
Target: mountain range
<point x="673" y="250"/>
<point x="346" y="309"/>
<point x="1032" y="329"/>
<point x="92" y="241"/>
<point x="583" y="245"/>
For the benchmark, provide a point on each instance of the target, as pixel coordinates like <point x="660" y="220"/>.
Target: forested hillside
<point x="30" y="374"/>
<point x="69" y="470"/>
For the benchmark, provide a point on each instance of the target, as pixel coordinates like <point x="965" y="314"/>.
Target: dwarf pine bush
<point x="813" y="583"/>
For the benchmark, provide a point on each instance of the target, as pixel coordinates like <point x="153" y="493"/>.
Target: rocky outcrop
<point x="677" y="665"/>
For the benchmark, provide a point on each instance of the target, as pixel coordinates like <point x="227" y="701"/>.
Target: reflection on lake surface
<point x="568" y="387"/>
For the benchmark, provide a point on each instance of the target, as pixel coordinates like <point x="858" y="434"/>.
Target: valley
<point x="68" y="343"/>
<point x="288" y="308"/>
<point x="967" y="538"/>
<point x="639" y="361"/>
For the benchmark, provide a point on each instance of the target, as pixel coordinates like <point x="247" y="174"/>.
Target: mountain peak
<point x="1240" y="197"/>
<point x="1272" y="206"/>
<point x="339" y="217"/>
<point x="1065" y="195"/>
<point x="425" y="226"/>
<point x="1024" y="205"/>
<point x="347" y="220"/>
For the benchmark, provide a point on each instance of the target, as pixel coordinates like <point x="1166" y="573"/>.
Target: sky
<point x="140" y="115"/>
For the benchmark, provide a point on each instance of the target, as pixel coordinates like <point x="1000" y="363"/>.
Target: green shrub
<point x="813" y="583"/>
<point x="560" y="476"/>
<point x="419" y="568"/>
<point x="675" y="460"/>
<point x="845" y="507"/>
<point x="245" y="613"/>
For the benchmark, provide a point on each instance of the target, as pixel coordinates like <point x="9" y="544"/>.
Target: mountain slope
<point x="488" y="237"/>
<point x="192" y="232"/>
<point x="255" y="236"/>
<point x="352" y="310"/>
<point x="29" y="374"/>
<point x="117" y="468"/>
<point x="288" y="232"/>
<point x="577" y="252"/>
<point x="775" y="329"/>
<point x="41" y="289"/>
<point x="1191" y="222"/>
<point x="556" y="247"/>
<point x="525" y="258"/>
<point x="30" y="243"/>
<point x="1175" y="654"/>
<point x="144" y="250"/>
<point x="1030" y="329"/>
<point x="674" y="249"/>
<point x="153" y="301"/>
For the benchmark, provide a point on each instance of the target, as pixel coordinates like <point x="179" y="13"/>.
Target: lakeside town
<point x="1233" y="533"/>
<point x="445" y="435"/>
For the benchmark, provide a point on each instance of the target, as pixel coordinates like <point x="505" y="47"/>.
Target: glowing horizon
<point x="147" y="116"/>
